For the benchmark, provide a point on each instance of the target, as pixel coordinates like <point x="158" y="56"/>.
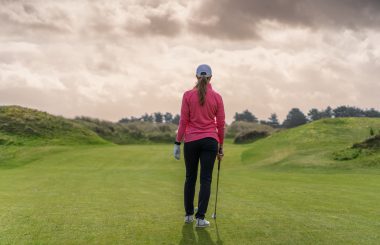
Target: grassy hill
<point x="315" y="145"/>
<point x="24" y="126"/>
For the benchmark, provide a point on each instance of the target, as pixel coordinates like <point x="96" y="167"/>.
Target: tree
<point x="168" y="117"/>
<point x="158" y="117"/>
<point x="314" y="114"/>
<point x="176" y="119"/>
<point x="273" y="120"/>
<point x="263" y="122"/>
<point x="294" y="118"/>
<point x="124" y="120"/>
<point x="328" y="113"/>
<point x="372" y="113"/>
<point x="135" y="119"/>
<point x="348" y="111"/>
<point x="147" y="118"/>
<point x="127" y="120"/>
<point x="245" y="116"/>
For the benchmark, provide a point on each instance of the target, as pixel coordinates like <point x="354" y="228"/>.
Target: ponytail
<point x="202" y="87"/>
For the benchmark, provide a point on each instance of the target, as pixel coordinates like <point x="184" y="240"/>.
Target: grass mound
<point x="319" y="144"/>
<point x="24" y="126"/>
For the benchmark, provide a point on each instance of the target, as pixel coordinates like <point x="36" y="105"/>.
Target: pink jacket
<point x="196" y="121"/>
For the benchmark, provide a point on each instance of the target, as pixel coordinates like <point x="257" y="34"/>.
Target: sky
<point x="111" y="59"/>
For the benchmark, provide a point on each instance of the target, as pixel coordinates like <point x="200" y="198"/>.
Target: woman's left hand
<point x="220" y="152"/>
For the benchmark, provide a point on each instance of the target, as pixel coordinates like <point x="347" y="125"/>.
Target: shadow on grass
<point x="188" y="236"/>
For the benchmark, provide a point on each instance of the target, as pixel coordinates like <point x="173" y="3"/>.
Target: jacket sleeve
<point x="184" y="119"/>
<point x="220" y="120"/>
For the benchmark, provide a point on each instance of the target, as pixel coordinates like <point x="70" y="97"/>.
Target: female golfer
<point x="201" y="127"/>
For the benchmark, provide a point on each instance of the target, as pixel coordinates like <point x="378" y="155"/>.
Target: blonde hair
<point x="202" y="88"/>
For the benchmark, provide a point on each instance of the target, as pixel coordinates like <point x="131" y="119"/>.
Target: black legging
<point x="205" y="150"/>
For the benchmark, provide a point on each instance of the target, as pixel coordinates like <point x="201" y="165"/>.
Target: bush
<point x="238" y="127"/>
<point x="367" y="147"/>
<point x="346" y="154"/>
<point x="249" y="137"/>
<point x="370" y="143"/>
<point x="371" y="132"/>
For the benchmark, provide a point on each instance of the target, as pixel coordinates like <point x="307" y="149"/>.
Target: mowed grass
<point x="134" y="195"/>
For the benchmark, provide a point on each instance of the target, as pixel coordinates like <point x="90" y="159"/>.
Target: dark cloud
<point x="164" y="24"/>
<point x="121" y="19"/>
<point x="92" y="19"/>
<point x="228" y="19"/>
<point x="33" y="21"/>
<point x="240" y="19"/>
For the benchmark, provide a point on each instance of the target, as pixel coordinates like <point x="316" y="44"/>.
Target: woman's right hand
<point x="220" y="152"/>
<point x="177" y="151"/>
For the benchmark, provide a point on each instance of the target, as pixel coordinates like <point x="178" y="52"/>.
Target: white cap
<point x="204" y="70"/>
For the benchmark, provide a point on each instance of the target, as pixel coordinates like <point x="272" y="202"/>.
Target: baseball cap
<point x="204" y="70"/>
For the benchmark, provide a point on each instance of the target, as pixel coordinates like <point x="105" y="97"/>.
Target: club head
<point x="213" y="216"/>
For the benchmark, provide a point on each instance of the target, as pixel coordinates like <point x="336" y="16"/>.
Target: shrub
<point x="251" y="136"/>
<point x="238" y="127"/>
<point x="371" y="132"/>
<point x="370" y="143"/>
<point x="346" y="154"/>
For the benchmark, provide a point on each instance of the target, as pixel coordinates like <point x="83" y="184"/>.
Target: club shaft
<point x="217" y="187"/>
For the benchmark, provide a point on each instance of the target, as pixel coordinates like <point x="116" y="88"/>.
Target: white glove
<point x="177" y="151"/>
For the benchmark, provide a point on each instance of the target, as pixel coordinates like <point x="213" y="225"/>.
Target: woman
<point x="201" y="127"/>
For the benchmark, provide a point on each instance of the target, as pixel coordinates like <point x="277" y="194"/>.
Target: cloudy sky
<point x="110" y="59"/>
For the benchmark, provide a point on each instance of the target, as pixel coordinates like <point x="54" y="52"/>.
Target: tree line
<point x="156" y="117"/>
<point x="296" y="117"/>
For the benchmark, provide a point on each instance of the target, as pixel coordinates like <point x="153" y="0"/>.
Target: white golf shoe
<point x="202" y="223"/>
<point x="189" y="219"/>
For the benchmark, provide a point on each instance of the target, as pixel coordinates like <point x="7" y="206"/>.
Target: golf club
<point x="217" y="185"/>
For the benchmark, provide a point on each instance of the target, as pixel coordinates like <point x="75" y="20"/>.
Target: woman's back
<point x="199" y="121"/>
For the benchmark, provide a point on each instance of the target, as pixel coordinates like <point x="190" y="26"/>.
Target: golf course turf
<point x="278" y="190"/>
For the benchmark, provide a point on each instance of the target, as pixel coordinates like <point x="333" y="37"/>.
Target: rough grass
<point x="24" y="126"/>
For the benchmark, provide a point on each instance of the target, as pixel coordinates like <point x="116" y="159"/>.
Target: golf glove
<point x="177" y="151"/>
<point x="220" y="153"/>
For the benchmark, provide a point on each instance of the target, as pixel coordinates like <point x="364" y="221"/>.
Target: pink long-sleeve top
<point x="196" y="121"/>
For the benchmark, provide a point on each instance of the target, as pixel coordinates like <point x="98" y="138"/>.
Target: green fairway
<point x="133" y="195"/>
